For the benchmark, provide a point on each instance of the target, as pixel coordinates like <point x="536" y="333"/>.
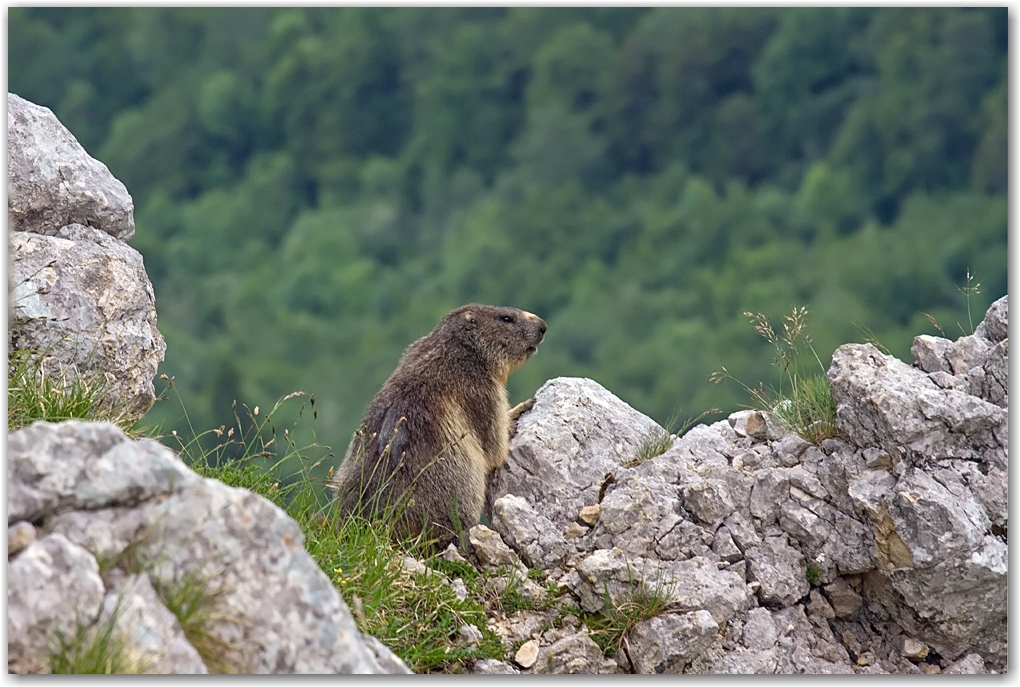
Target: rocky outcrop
<point x="938" y="502"/>
<point x="83" y="300"/>
<point x="80" y="297"/>
<point x="105" y="526"/>
<point x="749" y="549"/>
<point x="881" y="551"/>
<point x="52" y="182"/>
<point x="106" y="534"/>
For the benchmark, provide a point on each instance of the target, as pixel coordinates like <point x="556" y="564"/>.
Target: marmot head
<point x="503" y="337"/>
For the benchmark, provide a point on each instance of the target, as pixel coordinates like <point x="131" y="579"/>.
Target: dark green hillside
<point x="314" y="188"/>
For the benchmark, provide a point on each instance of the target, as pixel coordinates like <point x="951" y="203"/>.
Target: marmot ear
<point x="469" y="316"/>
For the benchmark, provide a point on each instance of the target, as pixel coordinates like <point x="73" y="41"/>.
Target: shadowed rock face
<point x="820" y="559"/>
<point x="90" y="492"/>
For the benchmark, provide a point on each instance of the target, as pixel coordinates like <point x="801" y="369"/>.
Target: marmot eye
<point x="507" y="318"/>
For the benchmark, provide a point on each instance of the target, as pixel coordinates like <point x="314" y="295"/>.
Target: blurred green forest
<point x="315" y="187"/>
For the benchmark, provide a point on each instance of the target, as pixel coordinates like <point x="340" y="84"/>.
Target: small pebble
<point x="915" y="649"/>
<point x="19" y="535"/>
<point x="527" y="654"/>
<point x="590" y="515"/>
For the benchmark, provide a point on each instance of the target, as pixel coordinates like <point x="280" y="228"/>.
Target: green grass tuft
<point x="94" y="649"/>
<point x="809" y="410"/>
<point x="415" y="614"/>
<point x="35" y="394"/>
<point x="658" y="440"/>
<point x="813" y="574"/>
<point x="802" y="401"/>
<point x="197" y="606"/>
<point x="609" y="627"/>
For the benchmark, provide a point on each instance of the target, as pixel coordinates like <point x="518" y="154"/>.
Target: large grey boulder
<point x="576" y="434"/>
<point x="881" y="402"/>
<point x="51" y="585"/>
<point x="934" y="490"/>
<point x="52" y="182"/>
<point x="807" y="559"/>
<point x="79" y="296"/>
<point x="82" y="299"/>
<point x="98" y="495"/>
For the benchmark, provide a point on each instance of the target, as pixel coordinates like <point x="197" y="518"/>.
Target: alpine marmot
<point x="440" y="424"/>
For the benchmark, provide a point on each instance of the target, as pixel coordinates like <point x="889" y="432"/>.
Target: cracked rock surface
<point x="91" y="494"/>
<point x="79" y="295"/>
<point x="52" y="182"/>
<point x="881" y="551"/>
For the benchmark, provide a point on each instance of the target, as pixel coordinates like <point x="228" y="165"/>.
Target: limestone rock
<point x="977" y="364"/>
<point x="51" y="584"/>
<point x="771" y="490"/>
<point x="667" y="643"/>
<point x="52" y="182"/>
<point x="780" y="569"/>
<point x="638" y="515"/>
<point x="709" y="500"/>
<point x="83" y="299"/>
<point x="942" y="573"/>
<point x="490" y="666"/>
<point x="527" y="654"/>
<point x="469" y="635"/>
<point x="153" y="634"/>
<point x="748" y="423"/>
<point x="785" y="642"/>
<point x="691" y="585"/>
<point x="807" y="647"/>
<point x="995" y="325"/>
<point x="574" y="654"/>
<point x="724" y="546"/>
<point x="971" y="664"/>
<point x="589" y="515"/>
<point x="19" y="535"/>
<point x="576" y="434"/>
<point x="386" y="661"/>
<point x="842" y="597"/>
<point x="489" y="547"/>
<point x="742" y="531"/>
<point x="900" y="523"/>
<point x="817" y="605"/>
<point x="913" y="649"/>
<point x="883" y="402"/>
<point x="78" y="465"/>
<point x="97" y="493"/>
<point x="537" y="540"/>
<point x="459" y="588"/>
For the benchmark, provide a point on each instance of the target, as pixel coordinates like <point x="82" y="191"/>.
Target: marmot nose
<point x="541" y="327"/>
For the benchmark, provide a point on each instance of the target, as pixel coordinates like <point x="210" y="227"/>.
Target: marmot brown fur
<point x="440" y="424"/>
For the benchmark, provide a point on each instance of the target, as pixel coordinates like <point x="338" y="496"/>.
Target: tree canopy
<point x="315" y="187"/>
